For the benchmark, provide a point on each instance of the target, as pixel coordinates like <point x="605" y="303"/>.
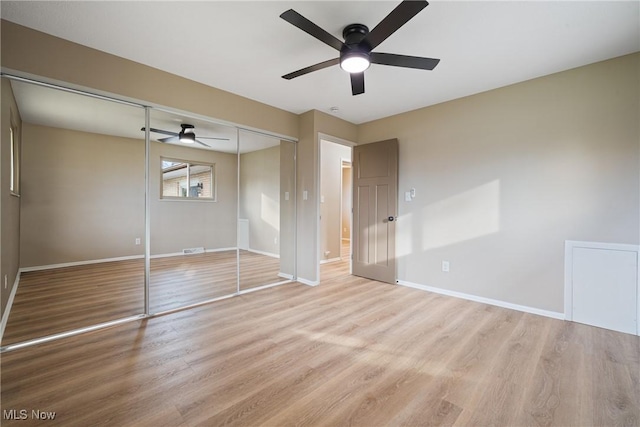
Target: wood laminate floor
<point x="61" y="299"/>
<point x="348" y="352"/>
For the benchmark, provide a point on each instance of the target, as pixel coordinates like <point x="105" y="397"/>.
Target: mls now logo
<point x="23" y="414"/>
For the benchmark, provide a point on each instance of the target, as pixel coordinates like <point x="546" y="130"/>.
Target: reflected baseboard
<point x="76" y="263"/>
<point x="7" y="309"/>
<point x="123" y="258"/>
<point x="269" y="254"/>
<point x="172" y="254"/>
<point x="326" y="261"/>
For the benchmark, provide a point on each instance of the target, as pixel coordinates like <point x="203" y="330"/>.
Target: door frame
<point x="342" y="168"/>
<point x="340" y="141"/>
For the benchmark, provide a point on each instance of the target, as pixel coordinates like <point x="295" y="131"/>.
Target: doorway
<point x="335" y="208"/>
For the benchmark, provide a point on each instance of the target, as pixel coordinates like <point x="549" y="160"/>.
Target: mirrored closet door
<point x="193" y="178"/>
<point x="81" y="220"/>
<point x="209" y="208"/>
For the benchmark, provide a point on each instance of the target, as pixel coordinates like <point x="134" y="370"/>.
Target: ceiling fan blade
<point x="396" y="19"/>
<point x="213" y="137"/>
<point x="357" y="83"/>
<point x="312" y="68"/>
<point x="404" y="61"/>
<point x="170" y="139"/>
<point x="294" y="18"/>
<point x="164" y="132"/>
<point x="202" y="143"/>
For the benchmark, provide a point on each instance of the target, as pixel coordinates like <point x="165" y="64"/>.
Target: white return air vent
<point x="189" y="251"/>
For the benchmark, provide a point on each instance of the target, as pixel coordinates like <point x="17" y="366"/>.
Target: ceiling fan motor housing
<point x="353" y="35"/>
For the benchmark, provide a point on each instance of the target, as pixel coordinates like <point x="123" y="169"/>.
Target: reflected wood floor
<point x="61" y="299"/>
<point x="348" y="352"/>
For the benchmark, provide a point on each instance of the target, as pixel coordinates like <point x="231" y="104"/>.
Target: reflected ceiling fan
<point x="186" y="135"/>
<point x="356" y="51"/>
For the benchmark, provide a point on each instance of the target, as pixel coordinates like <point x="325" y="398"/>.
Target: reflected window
<point x="15" y="161"/>
<point x="187" y="180"/>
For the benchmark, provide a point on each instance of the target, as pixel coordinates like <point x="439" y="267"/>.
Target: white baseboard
<point x="308" y="282"/>
<point x="285" y="276"/>
<point x="326" y="261"/>
<point x="498" y="303"/>
<point x="269" y="254"/>
<point x="7" y="309"/>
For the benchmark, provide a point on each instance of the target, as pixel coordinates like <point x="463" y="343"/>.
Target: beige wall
<point x="260" y="198"/>
<point x="504" y="177"/>
<point x="82" y="196"/>
<point x="307" y="169"/>
<point x="9" y="204"/>
<point x="331" y="156"/>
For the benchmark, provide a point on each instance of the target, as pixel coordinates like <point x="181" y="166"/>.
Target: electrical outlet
<point x="275" y="240"/>
<point x="445" y="266"/>
<point x="6" y="279"/>
<point x="344" y="229"/>
<point x="137" y="240"/>
<point x="305" y="195"/>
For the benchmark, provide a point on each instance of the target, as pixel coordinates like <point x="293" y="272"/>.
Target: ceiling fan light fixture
<point x="355" y="61"/>
<point x="187" y="137"/>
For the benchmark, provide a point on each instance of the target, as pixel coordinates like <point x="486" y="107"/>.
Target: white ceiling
<point x="244" y="47"/>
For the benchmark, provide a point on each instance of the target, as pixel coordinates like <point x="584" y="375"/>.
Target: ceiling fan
<point x="186" y="135"/>
<point x="356" y="51"/>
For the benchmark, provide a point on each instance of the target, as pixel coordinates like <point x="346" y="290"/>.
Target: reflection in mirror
<point x="266" y="223"/>
<point x="193" y="175"/>
<point x="77" y="232"/>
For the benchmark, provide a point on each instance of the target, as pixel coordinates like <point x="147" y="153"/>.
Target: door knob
<point x="391" y="218"/>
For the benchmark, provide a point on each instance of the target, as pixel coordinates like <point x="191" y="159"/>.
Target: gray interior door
<point x="375" y="207"/>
